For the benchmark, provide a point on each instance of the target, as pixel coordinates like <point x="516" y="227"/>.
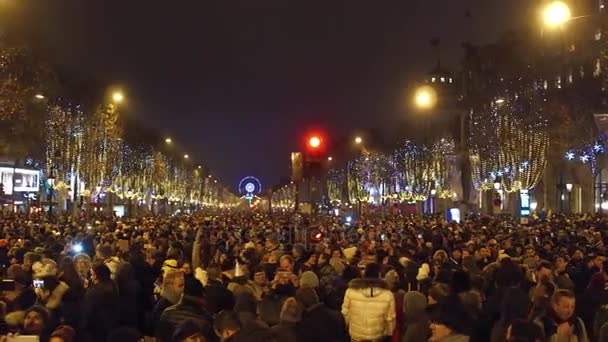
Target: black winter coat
<point x="321" y="324"/>
<point x="100" y="312"/>
<point x="188" y="308"/>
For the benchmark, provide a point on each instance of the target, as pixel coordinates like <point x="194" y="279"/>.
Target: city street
<point x="318" y="171"/>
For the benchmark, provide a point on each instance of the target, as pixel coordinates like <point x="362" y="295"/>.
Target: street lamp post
<point x="426" y="98"/>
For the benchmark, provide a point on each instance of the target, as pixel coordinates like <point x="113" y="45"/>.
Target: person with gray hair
<point x="291" y="314"/>
<point x="171" y="293"/>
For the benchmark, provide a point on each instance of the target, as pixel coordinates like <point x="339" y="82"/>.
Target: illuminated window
<point x="598" y="68"/>
<point x="598" y="34"/>
<point x="433" y="79"/>
<point x="451" y="80"/>
<point x="581" y="71"/>
<point x="570" y="77"/>
<point x="545" y="84"/>
<point x="443" y="80"/>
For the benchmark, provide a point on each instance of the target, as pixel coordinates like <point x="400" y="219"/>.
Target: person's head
<point x="286" y="263"/>
<point x="291" y="312"/>
<point x="530" y="252"/>
<point x="29" y="259"/>
<point x="298" y="250"/>
<point x="450" y="319"/>
<point x="173" y="286"/>
<point x="372" y="271"/>
<point x="336" y="253"/>
<point x="484" y="252"/>
<point x="598" y="261"/>
<point x="101" y="273"/>
<point x="226" y="324"/>
<point x="414" y="304"/>
<point x="522" y="330"/>
<point x="457" y="254"/>
<point x="35" y="320"/>
<point x="192" y="331"/>
<point x="370" y="258"/>
<point x="543" y="271"/>
<point x="104" y="252"/>
<point x="460" y="282"/>
<point x="312" y="259"/>
<point x="563" y="304"/>
<point x="83" y="263"/>
<point x="259" y="277"/>
<point x="578" y="255"/>
<point x="213" y="272"/>
<point x="186" y="268"/>
<point x="437" y="292"/>
<point x="63" y="333"/>
<point x="561" y="262"/>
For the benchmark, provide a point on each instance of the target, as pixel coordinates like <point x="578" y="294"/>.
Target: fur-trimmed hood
<point x="368" y="286"/>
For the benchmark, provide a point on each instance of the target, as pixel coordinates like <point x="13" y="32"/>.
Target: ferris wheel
<point x="250" y="187"/>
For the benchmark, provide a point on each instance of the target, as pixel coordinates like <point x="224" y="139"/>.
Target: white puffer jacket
<point x="369" y="309"/>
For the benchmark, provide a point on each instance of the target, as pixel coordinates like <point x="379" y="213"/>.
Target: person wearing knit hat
<point x="63" y="333"/>
<point x="316" y="314"/>
<point x="416" y="319"/>
<point x="309" y="279"/>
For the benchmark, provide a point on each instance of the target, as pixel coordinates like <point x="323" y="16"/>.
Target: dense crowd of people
<point x="246" y="276"/>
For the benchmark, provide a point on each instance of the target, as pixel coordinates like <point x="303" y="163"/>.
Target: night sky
<point x="236" y="82"/>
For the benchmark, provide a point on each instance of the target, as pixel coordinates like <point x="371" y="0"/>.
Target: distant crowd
<point x="247" y="276"/>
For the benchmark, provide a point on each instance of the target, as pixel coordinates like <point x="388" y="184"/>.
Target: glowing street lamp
<point x="118" y="97"/>
<point x="330" y="158"/>
<point x="425" y="97"/>
<point x="569" y="187"/>
<point x="168" y="141"/>
<point x="39" y="96"/>
<point x="358" y="140"/>
<point x="186" y="156"/>
<point x="556" y="14"/>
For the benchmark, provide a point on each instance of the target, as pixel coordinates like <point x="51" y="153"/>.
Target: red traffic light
<point x="314" y="142"/>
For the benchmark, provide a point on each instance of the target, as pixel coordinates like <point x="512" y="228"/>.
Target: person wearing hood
<point x="291" y="314"/>
<point x="416" y="322"/>
<point x="316" y="314"/>
<point x="369" y="307"/>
